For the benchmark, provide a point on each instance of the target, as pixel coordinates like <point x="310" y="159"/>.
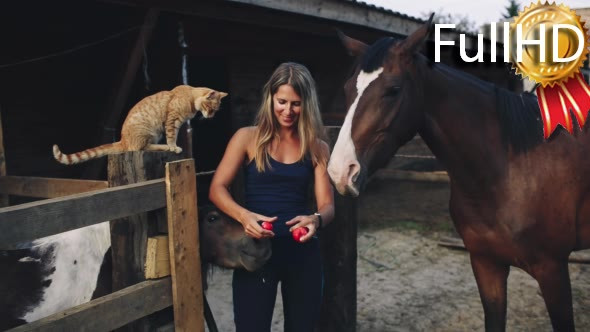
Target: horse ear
<point x="414" y="41"/>
<point x="354" y="47"/>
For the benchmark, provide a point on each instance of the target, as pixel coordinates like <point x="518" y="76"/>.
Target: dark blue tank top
<point x="280" y="191"/>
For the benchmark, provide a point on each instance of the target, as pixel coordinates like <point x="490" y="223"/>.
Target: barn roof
<point x="345" y="11"/>
<point x="351" y="12"/>
<point x="357" y="13"/>
<point x="385" y="10"/>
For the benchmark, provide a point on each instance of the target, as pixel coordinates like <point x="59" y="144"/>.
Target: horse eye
<point x="393" y="91"/>
<point x="211" y="218"/>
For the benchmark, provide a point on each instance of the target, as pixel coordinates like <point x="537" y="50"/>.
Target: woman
<point x="283" y="153"/>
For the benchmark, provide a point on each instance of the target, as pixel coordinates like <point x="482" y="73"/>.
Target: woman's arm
<point x="324" y="196"/>
<point x="229" y="166"/>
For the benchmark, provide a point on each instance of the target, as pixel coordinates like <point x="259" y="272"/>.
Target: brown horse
<point x="515" y="199"/>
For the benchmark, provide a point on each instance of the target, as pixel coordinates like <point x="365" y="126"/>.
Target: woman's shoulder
<point x="246" y="136"/>
<point x="246" y="132"/>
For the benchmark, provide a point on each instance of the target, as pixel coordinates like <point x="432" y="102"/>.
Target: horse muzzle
<point x="345" y="178"/>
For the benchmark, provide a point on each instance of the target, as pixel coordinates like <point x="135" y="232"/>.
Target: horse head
<point x="383" y="99"/>
<point x="224" y="243"/>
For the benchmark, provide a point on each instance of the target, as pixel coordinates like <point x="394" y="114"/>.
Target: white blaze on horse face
<point x="344" y="167"/>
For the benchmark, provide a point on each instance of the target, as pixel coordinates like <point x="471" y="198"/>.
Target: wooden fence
<point x="72" y="204"/>
<point x="90" y="202"/>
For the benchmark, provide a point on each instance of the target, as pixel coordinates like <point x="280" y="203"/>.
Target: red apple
<point x="298" y="233"/>
<point x="267" y="225"/>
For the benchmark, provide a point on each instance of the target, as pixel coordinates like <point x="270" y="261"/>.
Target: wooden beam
<point x="353" y="13"/>
<point x="30" y="221"/>
<point x="185" y="259"/>
<point x="120" y="92"/>
<point x="581" y="257"/>
<point x="338" y="243"/>
<point x="129" y="234"/>
<point x="3" y="197"/>
<point x="342" y="11"/>
<point x="394" y="174"/>
<point x="235" y="13"/>
<point x="47" y="187"/>
<point x="157" y="261"/>
<point x="108" y="312"/>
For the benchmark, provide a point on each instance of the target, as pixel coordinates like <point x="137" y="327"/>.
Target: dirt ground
<point x="407" y="282"/>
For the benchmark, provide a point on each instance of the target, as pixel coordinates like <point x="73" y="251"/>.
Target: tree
<point x="512" y="9"/>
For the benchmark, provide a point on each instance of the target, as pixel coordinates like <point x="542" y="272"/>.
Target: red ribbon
<point x="557" y="101"/>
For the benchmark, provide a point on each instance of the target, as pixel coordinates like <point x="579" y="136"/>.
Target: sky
<point x="480" y="11"/>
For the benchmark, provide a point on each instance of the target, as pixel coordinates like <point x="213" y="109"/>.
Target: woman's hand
<point x="252" y="227"/>
<point x="311" y="222"/>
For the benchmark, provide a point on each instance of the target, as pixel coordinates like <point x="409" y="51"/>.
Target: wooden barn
<point x="71" y="70"/>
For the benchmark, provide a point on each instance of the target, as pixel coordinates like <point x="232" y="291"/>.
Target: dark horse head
<point x="224" y="243"/>
<point x="383" y="92"/>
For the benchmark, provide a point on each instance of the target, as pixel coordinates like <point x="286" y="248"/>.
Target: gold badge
<point x="531" y="19"/>
<point x="549" y="44"/>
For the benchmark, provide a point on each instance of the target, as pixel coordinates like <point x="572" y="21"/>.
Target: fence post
<point x="129" y="235"/>
<point x="338" y="245"/>
<point x="183" y="235"/>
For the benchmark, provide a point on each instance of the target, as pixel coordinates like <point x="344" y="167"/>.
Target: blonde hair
<point x="309" y="124"/>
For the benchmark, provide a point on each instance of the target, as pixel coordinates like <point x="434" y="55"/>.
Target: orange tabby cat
<point x="147" y="120"/>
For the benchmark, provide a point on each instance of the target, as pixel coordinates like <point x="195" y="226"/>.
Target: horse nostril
<point x="353" y="172"/>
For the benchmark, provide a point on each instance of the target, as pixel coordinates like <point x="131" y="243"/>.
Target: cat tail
<point x="82" y="156"/>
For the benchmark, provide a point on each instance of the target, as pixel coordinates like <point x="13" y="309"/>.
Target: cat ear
<point x="215" y="95"/>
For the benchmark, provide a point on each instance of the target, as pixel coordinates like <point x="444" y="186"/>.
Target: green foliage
<point x="511" y="9"/>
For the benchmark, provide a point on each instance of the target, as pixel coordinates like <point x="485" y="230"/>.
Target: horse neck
<point x="461" y="126"/>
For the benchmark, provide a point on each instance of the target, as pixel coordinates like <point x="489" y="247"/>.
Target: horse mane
<point x="520" y="119"/>
<point x="206" y="272"/>
<point x="374" y="56"/>
<point x="518" y="114"/>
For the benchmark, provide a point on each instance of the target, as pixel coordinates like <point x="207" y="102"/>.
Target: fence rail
<point x="30" y="221"/>
<point x="108" y="312"/>
<point x="39" y="187"/>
